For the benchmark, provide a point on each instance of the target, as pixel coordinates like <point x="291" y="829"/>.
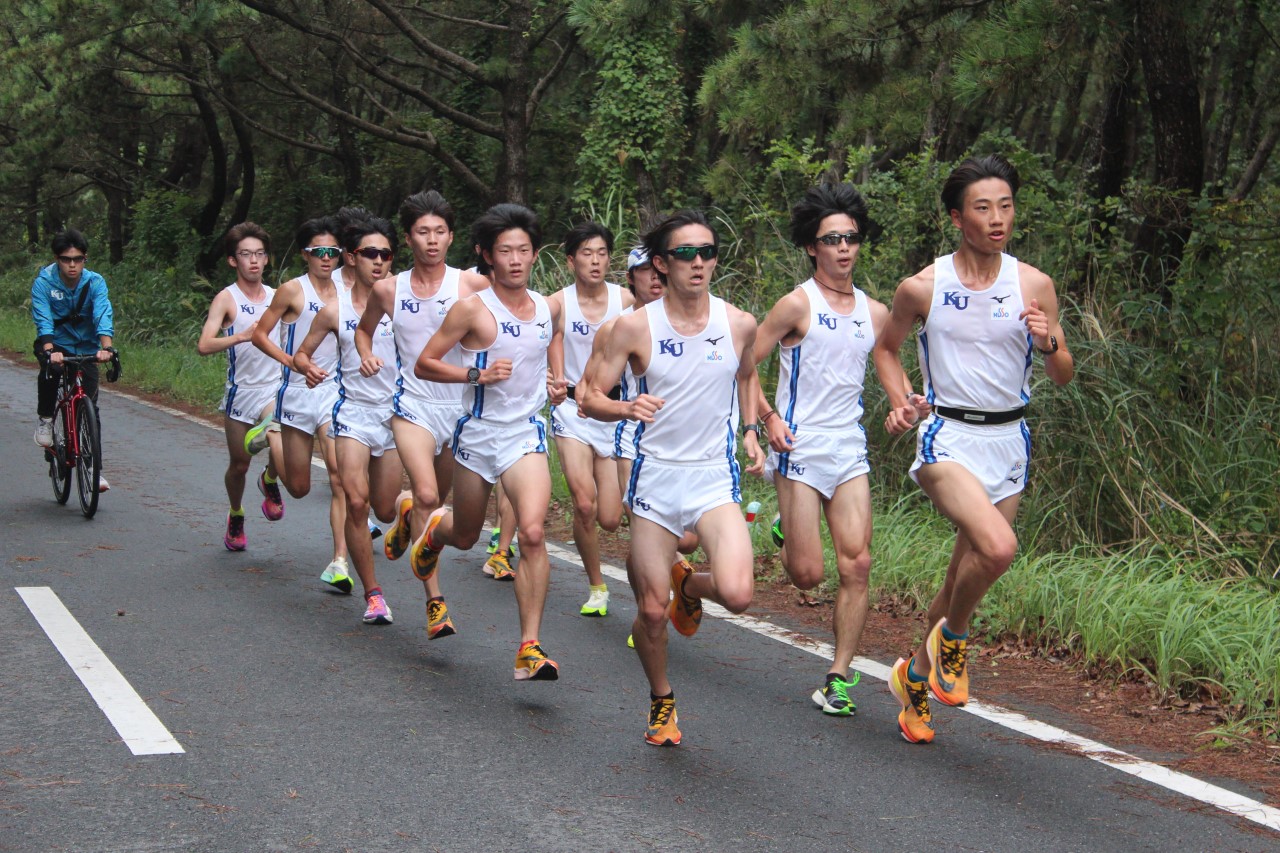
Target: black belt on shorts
<point x="975" y="416"/>
<point x="615" y="393"/>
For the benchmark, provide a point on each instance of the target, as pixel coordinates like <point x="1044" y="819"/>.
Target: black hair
<point x="428" y="203"/>
<point x="356" y="231"/>
<point x="69" y="238"/>
<point x="505" y="217"/>
<point x="350" y="214"/>
<point x="655" y="241"/>
<point x="313" y="228"/>
<point x="584" y="231"/>
<point x="820" y="202"/>
<point x="482" y="266"/>
<point x="244" y="231"/>
<point x="973" y="170"/>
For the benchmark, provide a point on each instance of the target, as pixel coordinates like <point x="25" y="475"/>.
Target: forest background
<point x="1143" y="129"/>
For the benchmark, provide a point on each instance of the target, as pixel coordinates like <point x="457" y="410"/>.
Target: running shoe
<point x="775" y="530"/>
<point x="397" y="541"/>
<point x="423" y="559"/>
<point x="234" y="538"/>
<point x="44" y="432"/>
<point x="685" y="610"/>
<point x="499" y="568"/>
<point x="833" y="697"/>
<point x="438" y="622"/>
<point x="272" y="504"/>
<point x="915" y="722"/>
<point x="948" y="679"/>
<point x="597" y="602"/>
<point x="493" y="537"/>
<point x="255" y="440"/>
<point x="662" y="729"/>
<point x="532" y="664"/>
<point x="631" y="641"/>
<point x="376" y="611"/>
<point x="374" y="530"/>
<point x="335" y="575"/>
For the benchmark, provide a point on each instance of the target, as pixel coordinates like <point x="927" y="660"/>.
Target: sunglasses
<point x="324" y="253"/>
<point x="71" y="259"/>
<point x="374" y="254"/>
<point x="688" y="253"/>
<point x="853" y="238"/>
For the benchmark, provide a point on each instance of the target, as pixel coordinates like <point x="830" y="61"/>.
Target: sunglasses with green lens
<point x="323" y="252"/>
<point x="688" y="253"/>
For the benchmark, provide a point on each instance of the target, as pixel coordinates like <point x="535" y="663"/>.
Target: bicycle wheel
<point x="59" y="470"/>
<point x="89" y="459"/>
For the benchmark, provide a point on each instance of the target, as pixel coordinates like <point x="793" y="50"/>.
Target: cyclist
<point x="72" y="313"/>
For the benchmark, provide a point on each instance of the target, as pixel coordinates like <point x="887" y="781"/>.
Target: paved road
<point x="304" y="729"/>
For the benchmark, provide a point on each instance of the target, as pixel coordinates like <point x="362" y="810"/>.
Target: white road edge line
<point x="140" y="728"/>
<point x="1218" y="797"/>
<point x="1172" y="780"/>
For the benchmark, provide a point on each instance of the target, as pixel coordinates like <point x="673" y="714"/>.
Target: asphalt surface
<point x="305" y="729"/>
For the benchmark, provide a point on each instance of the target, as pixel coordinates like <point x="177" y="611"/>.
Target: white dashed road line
<point x="140" y="729"/>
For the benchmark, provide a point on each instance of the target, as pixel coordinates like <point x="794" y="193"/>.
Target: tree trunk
<point x="513" y="167"/>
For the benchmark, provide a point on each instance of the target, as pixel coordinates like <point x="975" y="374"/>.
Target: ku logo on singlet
<point x="247" y="309"/>
<point x="954" y="298"/>
<point x="351" y="325"/>
<point x="510" y="329"/>
<point x="829" y="322"/>
<point x="313" y="307"/>
<point x="410" y="305"/>
<point x="667" y="347"/>
<point x="581" y="328"/>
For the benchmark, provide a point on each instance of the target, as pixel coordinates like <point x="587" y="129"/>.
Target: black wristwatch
<point x="1053" y="346"/>
<point x="473" y="375"/>
<point x="752" y="428"/>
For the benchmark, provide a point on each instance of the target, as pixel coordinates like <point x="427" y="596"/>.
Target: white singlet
<point x="415" y="320"/>
<point x="580" y="333"/>
<point x="372" y="391"/>
<point x="975" y="350"/>
<point x="326" y="355"/>
<point x="696" y="376"/>
<point x="523" y="394"/>
<point x="820" y="379"/>
<point x="247" y="365"/>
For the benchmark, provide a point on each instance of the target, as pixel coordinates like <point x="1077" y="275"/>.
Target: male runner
<point x="689" y="351"/>
<point x="586" y="446"/>
<point x="423" y="413"/>
<point x="72" y="315"/>
<point x="826" y="328"/>
<point x="505" y="333"/>
<point x="367" y="460"/>
<point x="253" y="377"/>
<point x="982" y="314"/>
<point x="303" y="413"/>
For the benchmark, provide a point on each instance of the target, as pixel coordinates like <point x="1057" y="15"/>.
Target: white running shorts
<point x="248" y="403"/>
<point x="999" y="456"/>
<point x="439" y="419"/>
<point x="366" y="424"/>
<point x="822" y="460"/>
<point x="489" y="449"/>
<point x="676" y="496"/>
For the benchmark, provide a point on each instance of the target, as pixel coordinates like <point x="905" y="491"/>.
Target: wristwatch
<point x="473" y="375"/>
<point x="1053" y="346"/>
<point x="751" y="428"/>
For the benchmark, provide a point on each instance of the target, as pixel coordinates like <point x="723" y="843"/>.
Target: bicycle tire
<point x="89" y="457"/>
<point x="59" y="470"/>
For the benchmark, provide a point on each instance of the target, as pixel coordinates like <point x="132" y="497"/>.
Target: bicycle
<point x="77" y="444"/>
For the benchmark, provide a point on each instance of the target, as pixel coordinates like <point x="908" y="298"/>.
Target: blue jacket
<point x="53" y="307"/>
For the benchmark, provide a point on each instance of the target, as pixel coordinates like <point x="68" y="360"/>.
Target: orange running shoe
<point x="915" y="722"/>
<point x="532" y="664"/>
<point x="423" y="559"/>
<point x="949" y="680"/>
<point x="662" y="729"/>
<point x="438" y="622"/>
<point x="685" y="610"/>
<point x="397" y="540"/>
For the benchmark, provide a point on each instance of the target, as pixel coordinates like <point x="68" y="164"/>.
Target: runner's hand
<point x="496" y="372"/>
<point x="755" y="453"/>
<point x="901" y="419"/>
<point x="644" y="406"/>
<point x="1037" y="324"/>
<point x="558" y="392"/>
<point x="781" y="438"/>
<point x="370" y="366"/>
<point x="315" y="375"/>
<point x="247" y="334"/>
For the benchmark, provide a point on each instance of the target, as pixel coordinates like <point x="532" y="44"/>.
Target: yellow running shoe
<point x="532" y="664"/>
<point x="397" y="539"/>
<point x="685" y="610"/>
<point x="662" y="730"/>
<point x="948" y="679"/>
<point x="438" y="622"/>
<point x="499" y="568"/>
<point x="915" y="722"/>
<point x="422" y="558"/>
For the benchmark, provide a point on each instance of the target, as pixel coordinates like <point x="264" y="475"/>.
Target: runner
<point x="72" y="314"/>
<point x="367" y="460"/>
<point x="505" y="333"/>
<point x="253" y="378"/>
<point x="689" y="351"/>
<point x="302" y="414"/>
<point x="424" y="413"/>
<point x="826" y="328"/>
<point x="586" y="446"/>
<point x="982" y="313"/>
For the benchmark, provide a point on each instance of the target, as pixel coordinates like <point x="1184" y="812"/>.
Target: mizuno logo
<point x="1001" y="299"/>
<point x="715" y="341"/>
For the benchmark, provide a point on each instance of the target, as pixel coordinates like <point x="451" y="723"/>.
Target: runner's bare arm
<point x="284" y="304"/>
<point x="622" y="345"/>
<point x="1041" y="317"/>
<point x="910" y="304"/>
<point x="325" y="323"/>
<point x="557" y="387"/>
<point x="743" y="327"/>
<point x="221" y="311"/>
<point x="783" y="321"/>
